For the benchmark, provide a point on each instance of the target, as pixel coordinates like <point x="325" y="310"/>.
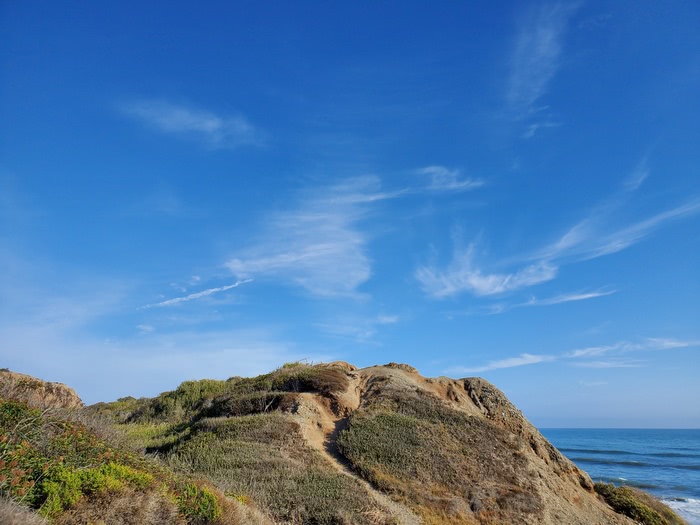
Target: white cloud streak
<point x="196" y="295"/>
<point x="500" y="308"/>
<point x="590" y="238"/>
<point x="58" y="335"/>
<point x="462" y="275"/>
<point x="316" y="245"/>
<point x="585" y="240"/>
<point x="445" y="179"/>
<point x="148" y="363"/>
<point x="534" y="128"/>
<point x="510" y="362"/>
<point x="213" y="130"/>
<point x="566" y="298"/>
<point x="355" y="328"/>
<point x="616" y="356"/>
<point x="615" y="363"/>
<point x="649" y="344"/>
<point x="536" y="57"/>
<point x="638" y="176"/>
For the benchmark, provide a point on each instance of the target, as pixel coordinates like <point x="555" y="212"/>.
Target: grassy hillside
<point x="239" y="434"/>
<point x="324" y="444"/>
<point x="451" y="466"/>
<point x="69" y="473"/>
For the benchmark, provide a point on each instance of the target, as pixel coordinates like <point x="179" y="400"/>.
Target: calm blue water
<point x="663" y="462"/>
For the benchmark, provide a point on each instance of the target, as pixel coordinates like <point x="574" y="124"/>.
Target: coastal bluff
<point x="320" y="444"/>
<point x="37" y="393"/>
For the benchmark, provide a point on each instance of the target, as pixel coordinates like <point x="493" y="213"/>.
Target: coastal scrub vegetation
<point x="238" y="436"/>
<point x="68" y="473"/>
<point x="237" y="396"/>
<point x="242" y="451"/>
<point x="263" y="457"/>
<point x="447" y="465"/>
<point x="638" y="505"/>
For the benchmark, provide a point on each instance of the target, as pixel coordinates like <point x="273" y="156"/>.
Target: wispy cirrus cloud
<point x="387" y="319"/>
<point x="566" y="298"/>
<point x="216" y="131"/>
<point x="316" y="244"/>
<point x="639" y="175"/>
<point x="361" y="330"/>
<point x="462" y="275"/>
<point x="612" y="363"/>
<point x="499" y="308"/>
<point x="509" y="362"/>
<point x="535" y="60"/>
<point x="70" y="332"/>
<point x="615" y="355"/>
<point x="590" y="238"/>
<point x="650" y="343"/>
<point x="446" y="179"/>
<point x="535" y="127"/>
<point x="196" y="295"/>
<point x="596" y="235"/>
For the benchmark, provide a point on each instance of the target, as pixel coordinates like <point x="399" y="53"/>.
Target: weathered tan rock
<point x="507" y="454"/>
<point x="37" y="393"/>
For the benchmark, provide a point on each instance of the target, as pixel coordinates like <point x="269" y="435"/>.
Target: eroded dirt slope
<point x="461" y="452"/>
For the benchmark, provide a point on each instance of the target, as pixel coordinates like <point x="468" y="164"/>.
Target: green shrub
<point x="55" y="465"/>
<point x="384" y="441"/>
<point x="306" y="378"/>
<point x="95" y="481"/>
<point x="198" y="504"/>
<point x="638" y="505"/>
<point x="61" y="490"/>
<point x="232" y="405"/>
<point x="138" y="479"/>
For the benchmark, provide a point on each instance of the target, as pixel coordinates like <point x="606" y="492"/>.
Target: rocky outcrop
<point x="37" y="393"/>
<point x="470" y="456"/>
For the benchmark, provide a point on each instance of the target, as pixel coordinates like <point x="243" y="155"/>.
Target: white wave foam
<point x="687" y="508"/>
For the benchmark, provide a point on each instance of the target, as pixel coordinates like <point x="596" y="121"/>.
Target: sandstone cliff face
<point x="37" y="393"/>
<point x="460" y="451"/>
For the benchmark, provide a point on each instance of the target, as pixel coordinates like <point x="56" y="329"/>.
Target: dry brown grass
<point x="13" y="514"/>
<point x="264" y="459"/>
<point x="450" y="466"/>
<point x="124" y="508"/>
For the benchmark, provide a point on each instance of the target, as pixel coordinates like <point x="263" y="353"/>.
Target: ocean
<point x="665" y="463"/>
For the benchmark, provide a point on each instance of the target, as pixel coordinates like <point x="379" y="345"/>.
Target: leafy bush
<point x="244" y="404"/>
<point x="638" y="505"/>
<point x="194" y="400"/>
<point x="54" y="464"/>
<point x="198" y="504"/>
<point x="307" y="378"/>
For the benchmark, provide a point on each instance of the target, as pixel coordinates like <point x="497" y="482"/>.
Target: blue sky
<point x="508" y="190"/>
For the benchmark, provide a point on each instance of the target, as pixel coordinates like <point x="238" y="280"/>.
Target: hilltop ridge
<point x="336" y="444"/>
<point x="37" y="393"/>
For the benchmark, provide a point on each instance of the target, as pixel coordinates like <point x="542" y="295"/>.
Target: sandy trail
<point x="320" y="427"/>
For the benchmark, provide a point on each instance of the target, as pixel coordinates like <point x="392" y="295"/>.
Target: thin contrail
<point x="196" y="295"/>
